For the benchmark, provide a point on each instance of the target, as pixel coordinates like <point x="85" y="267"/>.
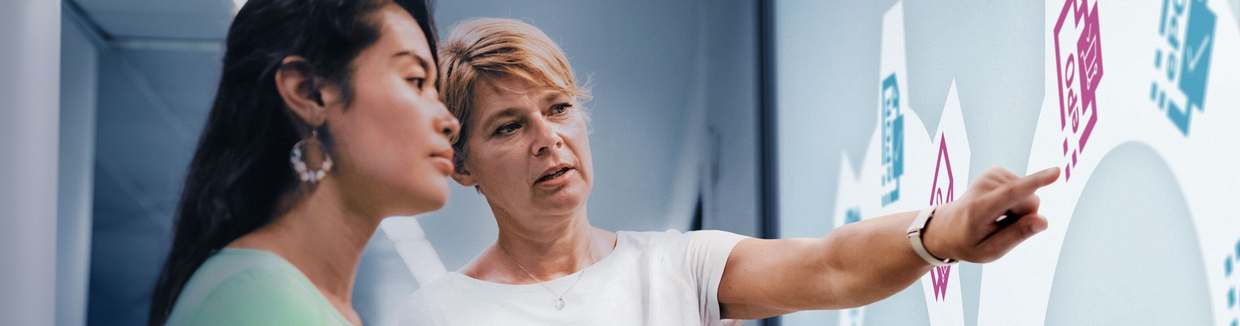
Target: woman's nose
<point x="545" y="137"/>
<point x="447" y="124"/>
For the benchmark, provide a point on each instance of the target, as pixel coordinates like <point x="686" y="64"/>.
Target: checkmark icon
<point x="1196" y="55"/>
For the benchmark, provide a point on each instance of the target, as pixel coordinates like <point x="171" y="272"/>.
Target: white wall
<point x="828" y="66"/>
<point x="29" y="84"/>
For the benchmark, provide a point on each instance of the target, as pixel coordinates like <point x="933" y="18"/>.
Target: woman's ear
<point x="301" y="89"/>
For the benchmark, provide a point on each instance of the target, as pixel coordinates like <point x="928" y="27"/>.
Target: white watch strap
<point x="914" y="237"/>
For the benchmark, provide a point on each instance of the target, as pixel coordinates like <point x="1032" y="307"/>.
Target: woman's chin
<point x="439" y="198"/>
<point x="564" y="200"/>
<point x="428" y="198"/>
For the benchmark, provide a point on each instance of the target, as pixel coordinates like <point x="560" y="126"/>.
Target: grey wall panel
<point x="79" y="65"/>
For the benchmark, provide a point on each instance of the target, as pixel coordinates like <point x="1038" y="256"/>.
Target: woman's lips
<point x="443" y="163"/>
<point x="557" y="178"/>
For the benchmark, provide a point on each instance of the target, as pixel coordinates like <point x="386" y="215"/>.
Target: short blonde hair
<point x="481" y="50"/>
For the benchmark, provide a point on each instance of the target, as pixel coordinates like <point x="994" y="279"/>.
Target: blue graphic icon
<point x="893" y="140"/>
<point x="1228" y="271"/>
<point x="853" y="215"/>
<point x="1186" y="30"/>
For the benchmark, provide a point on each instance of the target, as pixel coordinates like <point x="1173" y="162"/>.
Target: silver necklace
<point x="559" y="302"/>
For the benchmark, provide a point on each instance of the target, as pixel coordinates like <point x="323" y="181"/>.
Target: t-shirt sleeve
<point x="259" y="297"/>
<point x="706" y="255"/>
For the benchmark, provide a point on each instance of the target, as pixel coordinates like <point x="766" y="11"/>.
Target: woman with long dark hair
<point x="327" y="119"/>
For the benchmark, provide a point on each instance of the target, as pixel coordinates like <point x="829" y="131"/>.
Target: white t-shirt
<point x="651" y="278"/>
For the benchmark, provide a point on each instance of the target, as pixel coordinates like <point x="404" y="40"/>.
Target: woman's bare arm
<point x="864" y="262"/>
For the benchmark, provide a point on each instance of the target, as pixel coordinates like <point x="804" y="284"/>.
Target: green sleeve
<point x="262" y="297"/>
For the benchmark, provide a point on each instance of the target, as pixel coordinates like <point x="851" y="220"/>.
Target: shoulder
<point x="694" y="255"/>
<point x="649" y="238"/>
<point x="678" y="242"/>
<point x="259" y="287"/>
<point x="250" y="291"/>
<point x="715" y="238"/>
<point x="683" y="254"/>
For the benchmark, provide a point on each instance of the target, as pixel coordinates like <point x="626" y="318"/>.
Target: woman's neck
<point x="324" y="238"/>
<point x="533" y="249"/>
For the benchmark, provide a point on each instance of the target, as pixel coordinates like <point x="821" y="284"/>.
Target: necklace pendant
<point x="559" y="304"/>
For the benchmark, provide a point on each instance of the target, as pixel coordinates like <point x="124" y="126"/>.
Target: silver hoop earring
<point x="299" y="154"/>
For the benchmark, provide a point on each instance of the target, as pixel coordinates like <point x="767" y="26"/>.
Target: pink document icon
<point x="1078" y="62"/>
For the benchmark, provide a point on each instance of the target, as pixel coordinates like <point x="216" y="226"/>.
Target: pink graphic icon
<point x="938" y="278"/>
<point x="942" y="192"/>
<point x="1078" y="59"/>
<point x="944" y="181"/>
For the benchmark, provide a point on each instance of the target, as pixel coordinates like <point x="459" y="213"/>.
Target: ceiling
<point x="160" y="19"/>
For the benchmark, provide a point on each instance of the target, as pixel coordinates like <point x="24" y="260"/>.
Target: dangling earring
<point x="301" y="150"/>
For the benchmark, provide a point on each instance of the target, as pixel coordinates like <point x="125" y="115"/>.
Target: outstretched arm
<point x="864" y="262"/>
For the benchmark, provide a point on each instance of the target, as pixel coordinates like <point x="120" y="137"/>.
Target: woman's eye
<point x="507" y="128"/>
<point x="559" y="109"/>
<point x="417" y="82"/>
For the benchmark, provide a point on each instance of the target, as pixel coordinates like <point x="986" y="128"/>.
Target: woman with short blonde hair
<point x="524" y="145"/>
<point x="486" y="49"/>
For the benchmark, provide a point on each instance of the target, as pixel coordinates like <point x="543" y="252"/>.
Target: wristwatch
<point x="914" y="237"/>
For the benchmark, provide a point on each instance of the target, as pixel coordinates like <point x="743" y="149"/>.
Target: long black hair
<point x="241" y="170"/>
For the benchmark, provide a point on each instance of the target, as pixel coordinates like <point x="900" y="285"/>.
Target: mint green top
<point x="251" y="287"/>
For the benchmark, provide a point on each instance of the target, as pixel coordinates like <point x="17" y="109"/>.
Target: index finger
<point x="1024" y="187"/>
